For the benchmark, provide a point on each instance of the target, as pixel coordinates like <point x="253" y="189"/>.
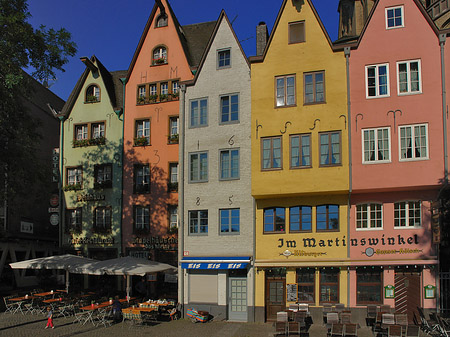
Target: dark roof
<point x="112" y="83"/>
<point x="40" y="96"/>
<point x="197" y="37"/>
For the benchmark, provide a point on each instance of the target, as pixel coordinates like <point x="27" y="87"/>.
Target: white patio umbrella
<point x="62" y="262"/>
<point x="127" y="265"/>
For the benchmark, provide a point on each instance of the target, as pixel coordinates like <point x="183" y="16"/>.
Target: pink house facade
<point x="397" y="158"/>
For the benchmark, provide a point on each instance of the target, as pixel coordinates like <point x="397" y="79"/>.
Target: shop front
<point x="223" y="286"/>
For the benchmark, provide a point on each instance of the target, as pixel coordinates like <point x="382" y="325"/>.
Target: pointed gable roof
<point x="193" y="37"/>
<point x="222" y="16"/>
<point x="110" y="79"/>
<point x="261" y="58"/>
<point x="354" y="44"/>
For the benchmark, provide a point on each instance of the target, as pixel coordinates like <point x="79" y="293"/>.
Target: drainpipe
<point x="181" y="198"/>
<point x="124" y="81"/>
<point x="254" y="260"/>
<point x="350" y="185"/>
<point x="61" y="175"/>
<point x="442" y="38"/>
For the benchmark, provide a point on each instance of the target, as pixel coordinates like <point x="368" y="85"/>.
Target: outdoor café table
<point x="48" y="293"/>
<point x="53" y="300"/>
<point x="20" y="299"/>
<point x="91" y="309"/>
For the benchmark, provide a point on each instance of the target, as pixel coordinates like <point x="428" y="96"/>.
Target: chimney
<point x="262" y="36"/>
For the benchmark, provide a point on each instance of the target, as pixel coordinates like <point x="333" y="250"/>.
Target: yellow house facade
<point x="300" y="165"/>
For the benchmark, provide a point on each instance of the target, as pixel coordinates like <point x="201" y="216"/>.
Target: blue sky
<point x="111" y="29"/>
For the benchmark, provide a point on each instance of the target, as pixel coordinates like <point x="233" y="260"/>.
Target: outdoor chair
<point x="350" y="330"/>
<point x="293" y="306"/>
<point x="394" y="331"/>
<point x="385" y="308"/>
<point x="10" y="306"/>
<point x="280" y="328"/>
<point x="371" y="314"/>
<point x="293" y="328"/>
<point x="337" y="329"/>
<point x="402" y="320"/>
<point x="339" y="307"/>
<point x="345" y="317"/>
<point x="103" y="317"/>
<point x="327" y="307"/>
<point x="429" y="327"/>
<point x="282" y="316"/>
<point x="290" y="314"/>
<point x="412" y="331"/>
<point x="332" y="318"/>
<point x="303" y="307"/>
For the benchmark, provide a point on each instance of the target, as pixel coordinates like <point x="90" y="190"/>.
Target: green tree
<point x="22" y="46"/>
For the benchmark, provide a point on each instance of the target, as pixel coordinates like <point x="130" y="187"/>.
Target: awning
<point x="215" y="263"/>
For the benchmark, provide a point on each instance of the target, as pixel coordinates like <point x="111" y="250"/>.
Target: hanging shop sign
<point x="215" y="263"/>
<point x="54" y="200"/>
<point x="55" y="166"/>
<point x="90" y="197"/>
<point x="91" y="240"/>
<point x="54" y="219"/>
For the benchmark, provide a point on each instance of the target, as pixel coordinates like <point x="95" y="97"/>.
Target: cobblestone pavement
<point x="16" y="325"/>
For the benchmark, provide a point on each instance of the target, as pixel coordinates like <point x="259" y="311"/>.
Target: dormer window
<point x="159" y="55"/>
<point x="93" y="94"/>
<point x="161" y="21"/>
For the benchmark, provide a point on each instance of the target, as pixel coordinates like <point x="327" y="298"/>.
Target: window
<point x="153" y="89"/>
<point x="92" y="94"/>
<point x="329" y="285"/>
<point x="330" y="148"/>
<point x="223" y="58"/>
<point x="198" y="167"/>
<point x="409" y="79"/>
<point x="173" y="177"/>
<point x="229" y="108"/>
<point x="297" y="32"/>
<point x="159" y="55"/>
<point x="285" y="90"/>
<point x="74" y="176"/>
<point x="407" y="214"/>
<point x="142" y="178"/>
<point x="142" y="128"/>
<point x="376" y="145"/>
<point x="199" y="112"/>
<point x="173" y="130"/>
<point x="327" y="218"/>
<point x="300" y="218"/>
<point x="141" y="219"/>
<point x="314" y="87"/>
<point x="377" y="80"/>
<point x="369" y="286"/>
<point x="175" y="88"/>
<point x="81" y="132"/>
<point x="229" y="220"/>
<point x="198" y="222"/>
<point x="173" y="216"/>
<point x="74" y="220"/>
<point x="102" y="219"/>
<point x="161" y="21"/>
<point x="229" y="164"/>
<point x="394" y="17"/>
<point x="300" y="151"/>
<point x="141" y="92"/>
<point x="413" y="142"/>
<point x="369" y="216"/>
<point x="274" y="220"/>
<point x="306" y="285"/>
<point x="164" y="87"/>
<point x="103" y="176"/>
<point x="98" y="130"/>
<point x="271" y="153"/>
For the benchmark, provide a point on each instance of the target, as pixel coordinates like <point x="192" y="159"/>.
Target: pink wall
<point x="159" y="154"/>
<point x="416" y="40"/>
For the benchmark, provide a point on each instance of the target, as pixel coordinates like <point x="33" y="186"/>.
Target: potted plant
<point x="141" y="100"/>
<point x="173" y="138"/>
<point x="163" y="97"/>
<point x="80" y="142"/>
<point x="160" y="60"/>
<point x="91" y="99"/>
<point x="140" y="141"/>
<point x="175" y="95"/>
<point x="153" y="98"/>
<point x="72" y="187"/>
<point x="97" y="141"/>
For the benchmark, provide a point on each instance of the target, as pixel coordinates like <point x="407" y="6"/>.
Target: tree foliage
<point x="44" y="51"/>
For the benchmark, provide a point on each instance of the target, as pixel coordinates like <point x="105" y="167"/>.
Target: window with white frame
<point x="93" y="94"/>
<point x="394" y="17"/>
<point x="159" y="55"/>
<point x="271" y="153"/>
<point x="153" y="89"/>
<point x="229" y="221"/>
<point x="74" y="175"/>
<point x="81" y="132"/>
<point x="408" y="214"/>
<point x="409" y="77"/>
<point x="142" y="178"/>
<point x="198" y="222"/>
<point x="198" y="167"/>
<point x="74" y="220"/>
<point x="223" y="58"/>
<point x="229" y="164"/>
<point x="285" y="90"/>
<point x="173" y="216"/>
<point x="141" y="218"/>
<point x="164" y="88"/>
<point x="175" y="87"/>
<point x="102" y="218"/>
<point x="142" y="132"/>
<point x="103" y="176"/>
<point x="98" y="130"/>
<point x="300" y="151"/>
<point x="376" y="145"/>
<point x="377" y="80"/>
<point x="199" y="112"/>
<point x="173" y="172"/>
<point x="141" y="92"/>
<point x="369" y="216"/>
<point x="413" y="142"/>
<point x="229" y="108"/>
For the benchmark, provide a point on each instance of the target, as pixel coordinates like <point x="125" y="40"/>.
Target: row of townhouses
<point x="306" y="173"/>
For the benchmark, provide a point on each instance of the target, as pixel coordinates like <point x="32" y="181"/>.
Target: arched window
<point x="159" y="55"/>
<point x="93" y="94"/>
<point x="161" y="21"/>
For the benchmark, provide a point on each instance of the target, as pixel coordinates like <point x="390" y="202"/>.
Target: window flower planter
<point x="88" y="142"/>
<point x="72" y="187"/>
<point x="158" y="61"/>
<point x="91" y="99"/>
<point x="140" y="141"/>
<point x="173" y="139"/>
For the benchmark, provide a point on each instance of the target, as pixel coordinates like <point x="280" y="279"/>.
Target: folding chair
<point x="337" y="329"/>
<point x="303" y="307"/>
<point x="280" y="328"/>
<point x="371" y="314"/>
<point x="394" y="331"/>
<point x="282" y="316"/>
<point x="332" y="318"/>
<point x="412" y="331"/>
<point x="385" y="308"/>
<point x="402" y="320"/>
<point x="327" y="307"/>
<point x="346" y="317"/>
<point x="350" y="330"/>
<point x="339" y="307"/>
<point x="293" y="306"/>
<point x="293" y="328"/>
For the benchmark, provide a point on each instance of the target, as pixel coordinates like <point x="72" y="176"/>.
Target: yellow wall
<point x="284" y="59"/>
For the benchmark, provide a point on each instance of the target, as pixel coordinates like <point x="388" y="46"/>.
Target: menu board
<point x="291" y="292"/>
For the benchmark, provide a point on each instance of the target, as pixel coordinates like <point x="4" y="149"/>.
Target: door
<point x="407" y="294"/>
<point x="275" y="297"/>
<point x="237" y="294"/>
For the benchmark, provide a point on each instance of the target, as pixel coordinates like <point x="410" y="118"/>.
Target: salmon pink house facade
<point x="397" y="160"/>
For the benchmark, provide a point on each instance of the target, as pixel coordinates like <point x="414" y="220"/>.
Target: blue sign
<point x="216" y="263"/>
